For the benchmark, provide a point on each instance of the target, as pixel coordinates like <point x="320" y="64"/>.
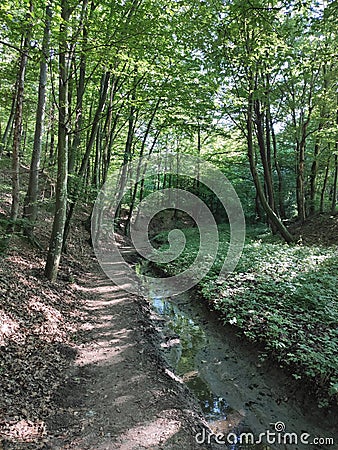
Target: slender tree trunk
<point x="141" y="191"/>
<point x="335" y="182"/>
<point x="264" y="151"/>
<point x="127" y="154"/>
<point x="260" y="191"/>
<point x="80" y="89"/>
<point x="98" y="159"/>
<point x="108" y="148"/>
<point x="136" y="186"/>
<point x="279" y="172"/>
<point x="264" y="155"/>
<point x="314" y="166"/>
<point x="313" y="177"/>
<point x="51" y="153"/>
<point x="300" y="180"/>
<point x="55" y="246"/>
<point x="272" y="143"/>
<point x="9" y="126"/>
<point x="198" y="169"/>
<point x="335" y="178"/>
<point x="109" y="131"/>
<point x="300" y="126"/>
<point x="30" y="204"/>
<point x="326" y="178"/>
<point x="85" y="159"/>
<point x="97" y="117"/>
<point x="18" y="128"/>
<point x="258" y="209"/>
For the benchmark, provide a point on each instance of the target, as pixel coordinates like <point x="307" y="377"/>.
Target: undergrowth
<point x="284" y="296"/>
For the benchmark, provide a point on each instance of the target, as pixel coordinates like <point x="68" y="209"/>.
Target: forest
<point x="91" y="89"/>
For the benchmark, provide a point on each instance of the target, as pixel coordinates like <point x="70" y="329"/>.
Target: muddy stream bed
<point x="242" y="393"/>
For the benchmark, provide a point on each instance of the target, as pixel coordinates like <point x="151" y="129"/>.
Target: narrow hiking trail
<point x="83" y="357"/>
<point x="120" y="394"/>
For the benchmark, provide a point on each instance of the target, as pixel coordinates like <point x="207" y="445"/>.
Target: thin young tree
<point x="30" y="204"/>
<point x="55" y="246"/>
<point x="18" y="121"/>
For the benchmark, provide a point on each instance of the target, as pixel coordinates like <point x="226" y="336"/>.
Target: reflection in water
<point x="191" y="336"/>
<point x="213" y="407"/>
<point x="181" y="350"/>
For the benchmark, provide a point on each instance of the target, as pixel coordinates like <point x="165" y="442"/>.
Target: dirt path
<point x="120" y="394"/>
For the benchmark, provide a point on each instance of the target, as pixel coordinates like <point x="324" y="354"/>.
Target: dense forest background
<point x="250" y="86"/>
<point x="89" y="86"/>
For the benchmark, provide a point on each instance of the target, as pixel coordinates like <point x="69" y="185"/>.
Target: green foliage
<point x="284" y="296"/>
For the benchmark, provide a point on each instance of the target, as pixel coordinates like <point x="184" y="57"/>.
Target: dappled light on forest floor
<point x="148" y="435"/>
<point x="128" y="400"/>
<point x="9" y="328"/>
<point x="108" y="343"/>
<point x="37" y="323"/>
<point x="24" y="431"/>
<point x="102" y="289"/>
<point x="102" y="354"/>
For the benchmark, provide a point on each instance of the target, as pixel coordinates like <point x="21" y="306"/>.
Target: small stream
<point x="181" y="352"/>
<point x="238" y="391"/>
<point x="186" y="342"/>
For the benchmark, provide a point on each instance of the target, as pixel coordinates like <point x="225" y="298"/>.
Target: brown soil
<point x="122" y="395"/>
<point x="80" y="364"/>
<point x="320" y="229"/>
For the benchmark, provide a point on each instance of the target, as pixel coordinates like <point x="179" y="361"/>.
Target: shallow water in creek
<point x="237" y="391"/>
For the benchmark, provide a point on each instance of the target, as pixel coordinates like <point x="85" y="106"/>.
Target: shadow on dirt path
<point x="120" y="394"/>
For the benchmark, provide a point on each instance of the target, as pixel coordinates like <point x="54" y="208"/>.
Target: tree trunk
<point x="30" y="204"/>
<point x="98" y="159"/>
<point x="80" y="89"/>
<point x="264" y="156"/>
<point x="314" y="166"/>
<point x="259" y="189"/>
<point x="18" y="128"/>
<point x="55" y="246"/>
<point x="137" y="185"/>
<point x="300" y="177"/>
<point x="85" y="159"/>
<point x="127" y="154"/>
<point x="109" y="133"/>
<point x="313" y="177"/>
<point x="9" y="126"/>
<point x="335" y="182"/>
<point x="281" y="206"/>
<point x="51" y="156"/>
<point x="271" y="142"/>
<point x="141" y="191"/>
<point x="197" y="182"/>
<point x="326" y="178"/>
<point x="335" y="178"/>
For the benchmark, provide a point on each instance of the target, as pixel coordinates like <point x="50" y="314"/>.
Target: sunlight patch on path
<point x="156" y="432"/>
